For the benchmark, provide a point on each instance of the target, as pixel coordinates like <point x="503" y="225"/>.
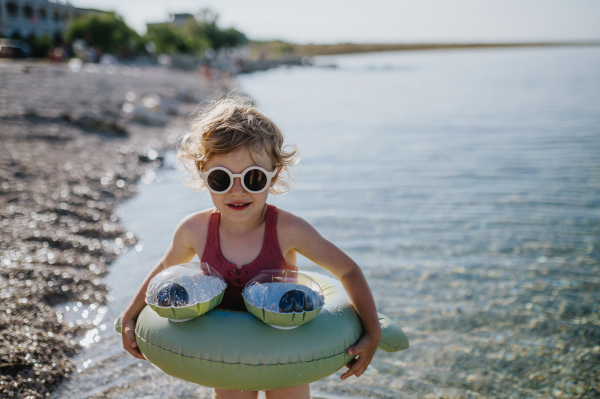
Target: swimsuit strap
<point x="271" y="227"/>
<point x="212" y="239"/>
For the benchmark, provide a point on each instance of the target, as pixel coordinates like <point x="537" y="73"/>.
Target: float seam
<point x="240" y="364"/>
<point x="388" y="344"/>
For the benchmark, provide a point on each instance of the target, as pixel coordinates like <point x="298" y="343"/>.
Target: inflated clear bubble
<point x="284" y="291"/>
<point x="184" y="286"/>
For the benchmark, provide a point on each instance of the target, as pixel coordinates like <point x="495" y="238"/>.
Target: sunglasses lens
<point x="219" y="180"/>
<point x="255" y="180"/>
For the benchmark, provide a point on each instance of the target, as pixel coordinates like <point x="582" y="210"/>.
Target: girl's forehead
<point x="238" y="160"/>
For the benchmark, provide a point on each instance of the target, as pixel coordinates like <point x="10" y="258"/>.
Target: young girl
<point x="237" y="153"/>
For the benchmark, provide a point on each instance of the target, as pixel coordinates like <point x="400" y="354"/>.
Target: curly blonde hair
<point x="227" y="125"/>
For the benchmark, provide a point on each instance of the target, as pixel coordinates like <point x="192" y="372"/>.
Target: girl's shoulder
<point x="291" y="227"/>
<point x="287" y="220"/>
<point x="194" y="227"/>
<point x="193" y="219"/>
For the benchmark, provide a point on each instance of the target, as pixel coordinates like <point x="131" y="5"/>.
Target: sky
<point x="380" y="21"/>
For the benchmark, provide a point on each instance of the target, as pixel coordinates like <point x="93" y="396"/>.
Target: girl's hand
<point x="128" y="336"/>
<point x="365" y="349"/>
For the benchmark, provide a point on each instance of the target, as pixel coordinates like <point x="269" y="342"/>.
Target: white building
<point x="25" y="18"/>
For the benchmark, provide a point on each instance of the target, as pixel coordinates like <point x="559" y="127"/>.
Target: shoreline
<point x="288" y="52"/>
<point x="75" y="146"/>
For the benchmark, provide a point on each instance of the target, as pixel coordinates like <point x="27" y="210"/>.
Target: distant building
<point x="21" y="19"/>
<point x="174" y="19"/>
<point x="181" y="19"/>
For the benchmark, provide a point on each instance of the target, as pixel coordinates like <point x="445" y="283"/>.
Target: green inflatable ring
<point x="234" y="350"/>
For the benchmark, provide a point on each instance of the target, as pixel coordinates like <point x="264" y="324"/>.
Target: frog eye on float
<point x="295" y="301"/>
<point x="172" y="294"/>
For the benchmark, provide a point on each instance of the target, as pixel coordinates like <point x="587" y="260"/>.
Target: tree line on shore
<point x="108" y="33"/>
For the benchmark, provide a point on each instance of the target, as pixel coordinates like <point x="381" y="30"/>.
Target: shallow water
<point x="467" y="186"/>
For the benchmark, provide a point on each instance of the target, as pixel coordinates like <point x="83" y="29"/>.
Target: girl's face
<point x="238" y="205"/>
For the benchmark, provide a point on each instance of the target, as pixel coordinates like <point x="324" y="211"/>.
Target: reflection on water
<point x="467" y="186"/>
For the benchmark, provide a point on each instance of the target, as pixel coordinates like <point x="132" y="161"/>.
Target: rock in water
<point x="295" y="301"/>
<point x="172" y="294"/>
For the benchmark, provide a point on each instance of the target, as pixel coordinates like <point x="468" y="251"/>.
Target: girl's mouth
<point x="239" y="206"/>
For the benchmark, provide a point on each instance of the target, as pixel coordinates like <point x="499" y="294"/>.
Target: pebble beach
<point x="75" y="142"/>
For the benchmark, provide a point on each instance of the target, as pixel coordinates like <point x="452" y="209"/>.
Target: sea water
<point x="465" y="183"/>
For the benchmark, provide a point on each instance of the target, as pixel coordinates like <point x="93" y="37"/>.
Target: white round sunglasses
<point x="254" y="179"/>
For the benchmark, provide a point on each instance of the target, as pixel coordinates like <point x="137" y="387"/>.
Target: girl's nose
<point x="237" y="186"/>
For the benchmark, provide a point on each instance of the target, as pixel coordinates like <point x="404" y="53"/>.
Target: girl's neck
<point x="240" y="228"/>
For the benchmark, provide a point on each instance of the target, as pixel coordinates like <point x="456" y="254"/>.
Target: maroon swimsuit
<point x="270" y="257"/>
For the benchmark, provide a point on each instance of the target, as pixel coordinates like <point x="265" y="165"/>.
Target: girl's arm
<point x="306" y="240"/>
<point x="179" y="252"/>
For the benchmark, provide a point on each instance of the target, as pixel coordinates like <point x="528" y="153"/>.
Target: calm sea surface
<point x="466" y="184"/>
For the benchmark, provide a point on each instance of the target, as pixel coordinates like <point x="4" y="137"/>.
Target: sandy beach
<point x="74" y="145"/>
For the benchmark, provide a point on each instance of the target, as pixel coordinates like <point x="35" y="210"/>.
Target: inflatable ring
<point x="235" y="350"/>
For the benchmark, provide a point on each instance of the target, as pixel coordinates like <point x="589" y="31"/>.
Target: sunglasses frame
<point x="232" y="176"/>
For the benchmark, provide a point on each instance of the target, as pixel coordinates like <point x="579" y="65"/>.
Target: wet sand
<point x="71" y="152"/>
